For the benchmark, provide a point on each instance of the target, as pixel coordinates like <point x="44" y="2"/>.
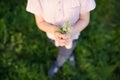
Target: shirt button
<point x="59" y="2"/>
<point x="59" y="9"/>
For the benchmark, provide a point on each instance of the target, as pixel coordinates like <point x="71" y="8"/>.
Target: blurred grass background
<point x="26" y="54"/>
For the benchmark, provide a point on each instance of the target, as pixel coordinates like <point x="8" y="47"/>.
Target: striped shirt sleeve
<point x="34" y="7"/>
<point x="87" y="6"/>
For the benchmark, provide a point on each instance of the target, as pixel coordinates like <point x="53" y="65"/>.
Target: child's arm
<point x="49" y="28"/>
<point x="44" y="26"/>
<point x="81" y="24"/>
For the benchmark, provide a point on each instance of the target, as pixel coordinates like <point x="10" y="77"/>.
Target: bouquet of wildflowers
<point x="65" y="29"/>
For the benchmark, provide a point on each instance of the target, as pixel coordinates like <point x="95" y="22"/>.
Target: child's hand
<point x="63" y="36"/>
<point x="69" y="41"/>
<point x="60" y="39"/>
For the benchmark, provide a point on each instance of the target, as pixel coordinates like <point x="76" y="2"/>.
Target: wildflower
<point x="65" y="29"/>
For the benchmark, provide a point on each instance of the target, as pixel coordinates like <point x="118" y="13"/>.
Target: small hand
<point x="60" y="38"/>
<point x="68" y="37"/>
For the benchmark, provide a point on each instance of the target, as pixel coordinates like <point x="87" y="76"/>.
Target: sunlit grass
<point x="26" y="53"/>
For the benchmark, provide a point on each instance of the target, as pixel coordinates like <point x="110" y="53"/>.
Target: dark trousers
<point x="64" y="53"/>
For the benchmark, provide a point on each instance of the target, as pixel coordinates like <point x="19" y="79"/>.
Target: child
<point x="49" y="14"/>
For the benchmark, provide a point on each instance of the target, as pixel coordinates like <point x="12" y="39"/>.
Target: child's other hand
<point x="61" y="38"/>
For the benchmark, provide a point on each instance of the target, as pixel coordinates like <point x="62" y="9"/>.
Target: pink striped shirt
<point x="57" y="12"/>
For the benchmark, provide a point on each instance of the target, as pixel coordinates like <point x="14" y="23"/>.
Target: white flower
<point x="65" y="29"/>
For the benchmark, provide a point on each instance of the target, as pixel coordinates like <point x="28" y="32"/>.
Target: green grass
<point x="26" y="53"/>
